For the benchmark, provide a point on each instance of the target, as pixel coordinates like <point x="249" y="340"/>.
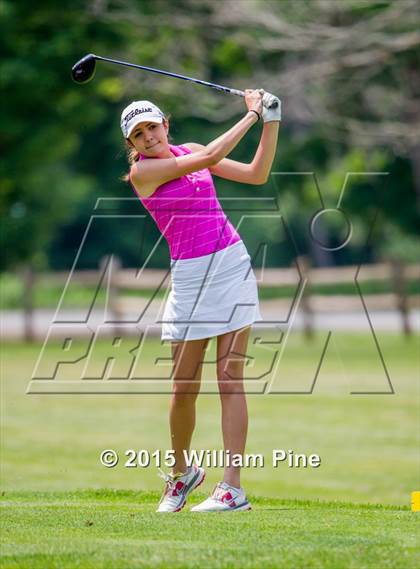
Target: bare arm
<point x="153" y="173"/>
<point x="260" y="166"/>
<point x="258" y="170"/>
<point x="149" y="174"/>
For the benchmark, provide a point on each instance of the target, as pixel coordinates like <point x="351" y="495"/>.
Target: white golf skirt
<point x="211" y="295"/>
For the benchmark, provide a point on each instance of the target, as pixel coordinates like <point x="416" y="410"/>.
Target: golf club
<point x="84" y="70"/>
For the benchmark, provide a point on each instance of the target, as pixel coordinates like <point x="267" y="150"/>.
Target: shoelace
<point x="166" y="477"/>
<point x="169" y="480"/>
<point x="169" y="477"/>
<point x="219" y="492"/>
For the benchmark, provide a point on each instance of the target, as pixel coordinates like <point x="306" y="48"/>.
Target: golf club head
<point x="84" y="70"/>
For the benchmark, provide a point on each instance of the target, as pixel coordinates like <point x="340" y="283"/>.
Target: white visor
<point x="139" y="111"/>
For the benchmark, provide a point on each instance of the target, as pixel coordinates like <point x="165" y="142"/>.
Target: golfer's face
<point x="149" y="138"/>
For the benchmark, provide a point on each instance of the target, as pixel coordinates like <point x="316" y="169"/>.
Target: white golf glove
<point x="270" y="115"/>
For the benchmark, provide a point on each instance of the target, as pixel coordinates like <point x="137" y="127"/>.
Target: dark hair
<point x="133" y="154"/>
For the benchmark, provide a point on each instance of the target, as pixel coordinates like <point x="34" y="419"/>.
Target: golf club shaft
<point x="177" y="76"/>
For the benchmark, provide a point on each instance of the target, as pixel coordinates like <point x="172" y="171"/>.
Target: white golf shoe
<point x="179" y="487"/>
<point x="225" y="498"/>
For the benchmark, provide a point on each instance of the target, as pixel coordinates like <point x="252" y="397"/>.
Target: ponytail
<point x="132" y="157"/>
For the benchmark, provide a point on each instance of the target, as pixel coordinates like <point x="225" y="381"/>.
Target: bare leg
<point x="187" y="357"/>
<point x="231" y="353"/>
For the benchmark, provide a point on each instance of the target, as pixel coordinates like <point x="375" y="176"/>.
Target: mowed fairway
<point x="62" y="508"/>
<point x="120" y="530"/>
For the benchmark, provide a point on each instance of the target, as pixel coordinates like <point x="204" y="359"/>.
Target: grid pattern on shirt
<point x="189" y="215"/>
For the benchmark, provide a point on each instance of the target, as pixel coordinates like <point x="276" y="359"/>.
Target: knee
<point x="185" y="395"/>
<point x="229" y="383"/>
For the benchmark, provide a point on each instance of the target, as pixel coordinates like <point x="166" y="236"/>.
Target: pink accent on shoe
<point x="178" y="487"/>
<point x="227" y="497"/>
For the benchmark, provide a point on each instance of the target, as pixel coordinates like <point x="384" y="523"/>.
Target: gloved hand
<point x="270" y="115"/>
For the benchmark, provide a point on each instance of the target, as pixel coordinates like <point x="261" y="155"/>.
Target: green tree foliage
<point x="346" y="73"/>
<point x="45" y="120"/>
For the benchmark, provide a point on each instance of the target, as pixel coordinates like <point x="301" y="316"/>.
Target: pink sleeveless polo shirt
<point x="189" y="215"/>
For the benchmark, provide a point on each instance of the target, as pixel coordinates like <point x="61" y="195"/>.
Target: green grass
<point x="301" y="518"/>
<point x="47" y="295"/>
<point x="108" y="529"/>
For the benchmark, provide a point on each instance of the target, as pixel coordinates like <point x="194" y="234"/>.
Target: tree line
<point x="347" y="74"/>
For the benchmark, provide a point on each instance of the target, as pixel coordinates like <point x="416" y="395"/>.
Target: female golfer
<point x="214" y="290"/>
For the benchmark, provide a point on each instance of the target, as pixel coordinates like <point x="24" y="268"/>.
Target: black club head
<point x="84" y="70"/>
